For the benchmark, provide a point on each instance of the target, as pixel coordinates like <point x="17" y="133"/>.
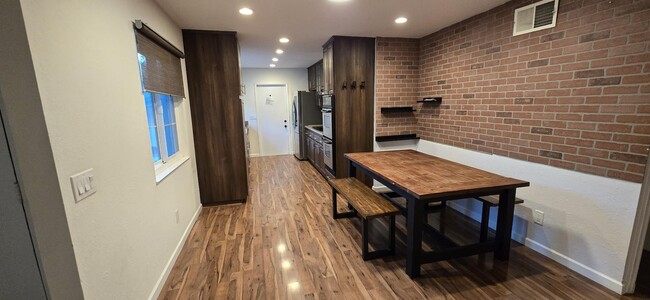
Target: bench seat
<point x="488" y="202"/>
<point x="368" y="205"/>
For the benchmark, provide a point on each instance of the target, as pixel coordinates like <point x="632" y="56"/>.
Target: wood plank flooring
<point x="284" y="244"/>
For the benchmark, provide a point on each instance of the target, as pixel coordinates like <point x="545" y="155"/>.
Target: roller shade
<point x="160" y="69"/>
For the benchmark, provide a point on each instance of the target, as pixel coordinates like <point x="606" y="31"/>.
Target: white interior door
<point x="20" y="277"/>
<point x="273" y="119"/>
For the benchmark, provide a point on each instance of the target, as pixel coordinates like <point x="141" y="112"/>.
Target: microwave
<point x="327" y="101"/>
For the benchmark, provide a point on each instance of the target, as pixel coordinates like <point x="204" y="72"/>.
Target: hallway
<point x="283" y="243"/>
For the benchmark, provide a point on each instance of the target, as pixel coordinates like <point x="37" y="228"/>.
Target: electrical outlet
<point x="177" y="216"/>
<point x="538" y="216"/>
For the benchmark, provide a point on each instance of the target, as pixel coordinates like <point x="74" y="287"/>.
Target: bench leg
<point x="334" y="209"/>
<point x="364" y="239"/>
<point x="335" y="213"/>
<point x="365" y="242"/>
<point x="392" y="235"/>
<point x="485" y="219"/>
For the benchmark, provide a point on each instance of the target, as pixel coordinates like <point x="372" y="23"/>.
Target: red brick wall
<point x="397" y="72"/>
<point x="576" y="96"/>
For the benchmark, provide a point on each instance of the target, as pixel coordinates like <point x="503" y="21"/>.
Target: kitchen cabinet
<point x="315" y="151"/>
<point x="349" y="74"/>
<point x="311" y="78"/>
<point x="328" y="61"/>
<point x="315" y="77"/>
<point x="213" y="76"/>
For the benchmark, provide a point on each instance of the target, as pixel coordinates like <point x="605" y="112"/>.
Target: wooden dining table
<point x="422" y="179"/>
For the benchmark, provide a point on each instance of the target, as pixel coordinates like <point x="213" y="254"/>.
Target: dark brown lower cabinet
<point x="212" y="63"/>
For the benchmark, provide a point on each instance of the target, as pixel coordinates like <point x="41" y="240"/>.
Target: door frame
<point x="639" y="232"/>
<point x="287" y="114"/>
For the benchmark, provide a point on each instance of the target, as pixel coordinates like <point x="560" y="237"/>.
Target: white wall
<point x="22" y="112"/>
<point x="295" y="79"/>
<point x="587" y="219"/>
<point x="84" y="54"/>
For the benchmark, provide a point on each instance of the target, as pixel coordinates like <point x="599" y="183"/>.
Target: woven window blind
<point x="159" y="68"/>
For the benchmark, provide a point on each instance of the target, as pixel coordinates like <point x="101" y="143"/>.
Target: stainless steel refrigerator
<point x="304" y="111"/>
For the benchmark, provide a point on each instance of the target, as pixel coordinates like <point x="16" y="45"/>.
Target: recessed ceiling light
<point x="401" y="20"/>
<point x="284" y="40"/>
<point x="274" y="59"/>
<point x="246" y="11"/>
<point x="272" y="65"/>
<point x="279" y="51"/>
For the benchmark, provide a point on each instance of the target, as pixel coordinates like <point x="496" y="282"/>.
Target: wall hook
<point x="345" y="85"/>
<point x="362" y="85"/>
<point x="353" y="85"/>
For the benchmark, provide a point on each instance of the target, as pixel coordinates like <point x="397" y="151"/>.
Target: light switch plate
<point x="538" y="217"/>
<point x="83" y="185"/>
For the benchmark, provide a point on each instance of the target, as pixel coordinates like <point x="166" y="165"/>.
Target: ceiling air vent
<point x="534" y="17"/>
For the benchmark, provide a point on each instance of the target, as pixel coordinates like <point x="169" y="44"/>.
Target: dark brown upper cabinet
<point x="213" y="75"/>
<point x="315" y="77"/>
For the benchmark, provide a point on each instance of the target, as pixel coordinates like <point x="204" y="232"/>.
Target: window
<point x="162" y="84"/>
<point x="163" y="133"/>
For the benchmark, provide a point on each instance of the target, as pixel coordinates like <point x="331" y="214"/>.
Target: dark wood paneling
<point x="212" y="61"/>
<point x="353" y="60"/>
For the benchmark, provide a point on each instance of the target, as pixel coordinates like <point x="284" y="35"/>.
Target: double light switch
<point x="83" y="185"/>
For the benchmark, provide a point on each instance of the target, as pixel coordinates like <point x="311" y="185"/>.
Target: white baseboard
<point x="574" y="265"/>
<point x="172" y="260"/>
<point x="254" y="155"/>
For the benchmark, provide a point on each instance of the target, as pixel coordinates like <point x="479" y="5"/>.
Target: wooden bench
<point x="488" y="202"/>
<point x="368" y="205"/>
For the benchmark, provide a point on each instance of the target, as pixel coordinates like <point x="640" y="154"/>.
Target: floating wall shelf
<point x="398" y="137"/>
<point x="397" y="109"/>
<point x="436" y="100"/>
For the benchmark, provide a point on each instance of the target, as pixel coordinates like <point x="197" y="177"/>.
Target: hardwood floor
<point x="284" y="244"/>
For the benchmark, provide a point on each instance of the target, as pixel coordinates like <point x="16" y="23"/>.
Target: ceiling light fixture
<point x="401" y="20"/>
<point x="272" y="65"/>
<point x="274" y="59"/>
<point x="284" y="40"/>
<point x="279" y="51"/>
<point x="246" y="11"/>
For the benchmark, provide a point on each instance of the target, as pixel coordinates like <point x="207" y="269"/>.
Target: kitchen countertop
<point x="311" y="127"/>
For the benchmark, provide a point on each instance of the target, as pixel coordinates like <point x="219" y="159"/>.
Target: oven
<point x="328" y="116"/>
<point x="328" y="132"/>
<point x="328" y="154"/>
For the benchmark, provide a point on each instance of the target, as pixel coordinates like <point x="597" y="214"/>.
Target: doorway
<point x="20" y="274"/>
<point x="272" y="105"/>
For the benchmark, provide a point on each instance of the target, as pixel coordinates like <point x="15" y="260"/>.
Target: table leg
<point x="504" y="224"/>
<point x="414" y="225"/>
<point x="352" y="172"/>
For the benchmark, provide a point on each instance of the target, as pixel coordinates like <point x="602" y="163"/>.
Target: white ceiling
<point x="309" y="23"/>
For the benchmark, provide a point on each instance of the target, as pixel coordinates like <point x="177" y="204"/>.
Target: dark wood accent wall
<point x="353" y="59"/>
<point x="212" y="62"/>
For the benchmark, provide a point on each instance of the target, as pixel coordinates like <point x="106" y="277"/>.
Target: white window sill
<point x="169" y="168"/>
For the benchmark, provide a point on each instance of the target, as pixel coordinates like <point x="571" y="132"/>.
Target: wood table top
<point x="427" y="177"/>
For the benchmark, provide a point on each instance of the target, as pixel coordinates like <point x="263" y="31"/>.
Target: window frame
<point x="165" y="158"/>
